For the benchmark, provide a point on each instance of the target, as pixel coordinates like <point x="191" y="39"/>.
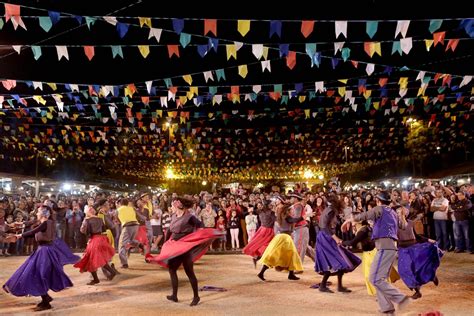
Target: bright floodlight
<point x="66" y="186"/>
<point x="170" y="173"/>
<point x="405" y="182"/>
<point x="320" y="177"/>
<point x="204" y="182"/>
<point x="308" y="174"/>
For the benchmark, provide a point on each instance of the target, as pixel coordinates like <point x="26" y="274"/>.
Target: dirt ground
<point x="142" y="290"/>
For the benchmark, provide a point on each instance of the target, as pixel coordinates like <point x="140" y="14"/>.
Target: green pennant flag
<point x="184" y="39"/>
<point x="371" y="28"/>
<point x="212" y="90"/>
<point x="220" y="74"/>
<point x="368" y="102"/>
<point x="45" y="23"/>
<point x="253" y="96"/>
<point x="90" y="21"/>
<point x="312" y="95"/>
<point x="396" y="47"/>
<point x="85" y="94"/>
<point x="125" y="100"/>
<point x="1" y="24"/>
<point x="441" y="89"/>
<point x="426" y="79"/>
<point x="168" y="82"/>
<point x="278" y="88"/>
<point x="284" y="99"/>
<point x="95" y="99"/>
<point x="346" y="53"/>
<point x="117" y="51"/>
<point x="435" y="25"/>
<point x="36" y="51"/>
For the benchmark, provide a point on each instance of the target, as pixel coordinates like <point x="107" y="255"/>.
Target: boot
<point x="95" y="279"/>
<point x="292" y="276"/>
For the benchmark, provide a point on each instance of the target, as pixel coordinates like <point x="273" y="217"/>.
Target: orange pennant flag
<point x="307" y="28"/>
<point x="291" y="59"/>
<point x="89" y="51"/>
<point x="383" y="82"/>
<point x="210" y="25"/>
<point x="439" y="38"/>
<point x="173" y="50"/>
<point x="452" y="43"/>
<point x="11" y="10"/>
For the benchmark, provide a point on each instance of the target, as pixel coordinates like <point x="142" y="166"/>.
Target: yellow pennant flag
<point x="183" y="99"/>
<point x="376" y="105"/>
<point x="188" y="79"/>
<point x="344" y="81"/>
<point x="403" y="82"/>
<point x="453" y="118"/>
<point x="265" y="52"/>
<point x="428" y="44"/>
<point x="44" y="120"/>
<point x="307" y="113"/>
<point x="235" y="98"/>
<point x="145" y="21"/>
<point x="243" y="26"/>
<point x="144" y="50"/>
<point x="194" y="90"/>
<point x="52" y="85"/>
<point x="401" y="110"/>
<point x="128" y="92"/>
<point x="421" y="90"/>
<point x="341" y="91"/>
<point x="39" y="99"/>
<point x="377" y="49"/>
<point x="231" y="50"/>
<point x="159" y="113"/>
<point x="189" y="95"/>
<point x="182" y="119"/>
<point x="49" y="115"/>
<point x="210" y="115"/>
<point x="243" y="71"/>
<point x="367" y="93"/>
<point x="301" y="98"/>
<point x="453" y="105"/>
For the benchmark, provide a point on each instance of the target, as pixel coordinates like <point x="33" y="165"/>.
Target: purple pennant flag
<point x="78" y="18"/>
<point x="468" y="26"/>
<point x="387" y="70"/>
<point x="299" y="87"/>
<point x="96" y="87"/>
<point x="69" y="95"/>
<point x="383" y="92"/>
<point x="122" y="29"/>
<point x="178" y="25"/>
<point x="284" y="48"/>
<point x="29" y="83"/>
<point x="213" y="43"/>
<point x="334" y="62"/>
<point x="77" y="99"/>
<point x="362" y="82"/>
<point x="116" y="90"/>
<point x="202" y="50"/>
<point x="153" y="91"/>
<point x="79" y="107"/>
<point x="275" y="28"/>
<point x="54" y="16"/>
<point x="16" y="97"/>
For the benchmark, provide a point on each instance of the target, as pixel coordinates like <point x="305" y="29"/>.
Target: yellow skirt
<point x="110" y="237"/>
<point x="281" y="254"/>
<point x="367" y="259"/>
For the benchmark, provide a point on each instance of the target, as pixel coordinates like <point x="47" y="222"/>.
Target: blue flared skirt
<point x="333" y="258"/>
<point x="41" y="272"/>
<point x="417" y="264"/>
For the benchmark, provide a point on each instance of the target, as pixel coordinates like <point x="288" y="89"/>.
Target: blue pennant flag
<point x="178" y="25"/>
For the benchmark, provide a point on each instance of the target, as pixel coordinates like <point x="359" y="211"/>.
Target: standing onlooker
<point x="74" y="217"/>
<point x="251" y="221"/>
<point x="234" y="227"/>
<point x="440" y="206"/>
<point x="461" y="224"/>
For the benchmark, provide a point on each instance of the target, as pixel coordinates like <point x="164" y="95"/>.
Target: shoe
<point x="260" y="276"/>
<point x="124" y="266"/>
<point x="255" y="262"/>
<point x="110" y="277"/>
<point x="404" y="303"/>
<point x="436" y="281"/>
<point x="195" y="301"/>
<point x="416" y="296"/>
<point x="113" y="268"/>
<point x="93" y="282"/>
<point x="42" y="307"/>
<point x="172" y="298"/>
<point x="325" y="289"/>
<point x="47" y="301"/>
<point x="390" y="312"/>
<point x="292" y="277"/>
<point x="343" y="289"/>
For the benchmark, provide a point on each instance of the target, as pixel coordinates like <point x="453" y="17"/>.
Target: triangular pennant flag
<point x="62" y="52"/>
<point x="188" y="79"/>
<point x="173" y="50"/>
<point x="257" y="88"/>
<point x="438" y="38"/>
<point x="307" y="28"/>
<point x="266" y="65"/>
<point x="89" y="51"/>
<point x="178" y="25"/>
<point x="156" y="33"/>
<point x="465" y="81"/>
<point x="338" y="46"/>
<point x="45" y="23"/>
<point x="435" y="25"/>
<point x="341" y="28"/>
<point x="90" y="21"/>
<point x="55" y="16"/>
<point x="402" y="27"/>
<point x="452" y="43"/>
<point x="148" y="86"/>
<point x="17" y="48"/>
<point x="210" y="25"/>
<point x="406" y="44"/>
<point x="291" y="59"/>
<point x="144" y="21"/>
<point x="257" y="50"/>
<point x="243" y="71"/>
<point x="243" y="26"/>
<point x="275" y="28"/>
<point x="144" y="50"/>
<point x="36" y="51"/>
<point x="117" y="51"/>
<point x="184" y="39"/>
<point x="371" y="28"/>
<point x="370" y="68"/>
<point x="345" y="53"/>
<point x="231" y="51"/>
<point x="109" y="19"/>
<point x="122" y="29"/>
<point x="428" y="44"/>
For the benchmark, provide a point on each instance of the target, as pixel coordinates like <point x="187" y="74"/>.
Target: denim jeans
<point x="461" y="235"/>
<point x="441" y="230"/>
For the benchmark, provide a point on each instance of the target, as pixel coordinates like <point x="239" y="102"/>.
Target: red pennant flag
<point x="291" y="60"/>
<point x="384" y="101"/>
<point x="89" y="51"/>
<point x="436" y="77"/>
<point x="173" y="50"/>
<point x="367" y="48"/>
<point x="439" y="38"/>
<point x="447" y="81"/>
<point x="307" y="28"/>
<point x="173" y="90"/>
<point x="355" y="63"/>
<point x="146" y="100"/>
<point x="234" y="89"/>
<point x="383" y="82"/>
<point x="452" y="43"/>
<point x="11" y="10"/>
<point x="210" y="25"/>
<point x="139" y="115"/>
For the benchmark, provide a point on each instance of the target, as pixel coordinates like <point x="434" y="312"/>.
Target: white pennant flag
<point x="16" y="20"/>
<point x="112" y="110"/>
<point x="341" y="27"/>
<point x="238" y="45"/>
<point x="17" y="48"/>
<point x="403" y="92"/>
<point x="348" y="95"/>
<point x="38" y="85"/>
<point x="60" y="105"/>
<point x="171" y="96"/>
<point x="402" y="27"/>
<point x="74" y="87"/>
<point x="406" y="44"/>
<point x="421" y="75"/>
<point x="217" y="99"/>
<point x="257" y="50"/>
<point x="354" y="107"/>
<point x="148" y="86"/>
<point x="247" y="97"/>
<point x="370" y="68"/>
<point x="465" y="81"/>
<point x="208" y="76"/>
<point x="444" y="108"/>
<point x="152" y="126"/>
<point x="266" y="65"/>
<point x="110" y="19"/>
<point x="387" y="112"/>
<point x="62" y="52"/>
<point x="257" y="88"/>
<point x="196" y="102"/>
<point x="319" y="86"/>
<point x="352" y="100"/>
<point x="156" y="33"/>
<point x="338" y="46"/>
<point x="164" y="102"/>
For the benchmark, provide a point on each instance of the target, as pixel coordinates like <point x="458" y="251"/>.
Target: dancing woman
<point x="331" y="257"/>
<point x="43" y="270"/>
<point x="281" y="253"/>
<point x="186" y="244"/>
<point x="98" y="251"/>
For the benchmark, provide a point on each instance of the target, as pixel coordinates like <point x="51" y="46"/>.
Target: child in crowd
<point x="251" y="220"/>
<point x="221" y="226"/>
<point x="234" y="227"/>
